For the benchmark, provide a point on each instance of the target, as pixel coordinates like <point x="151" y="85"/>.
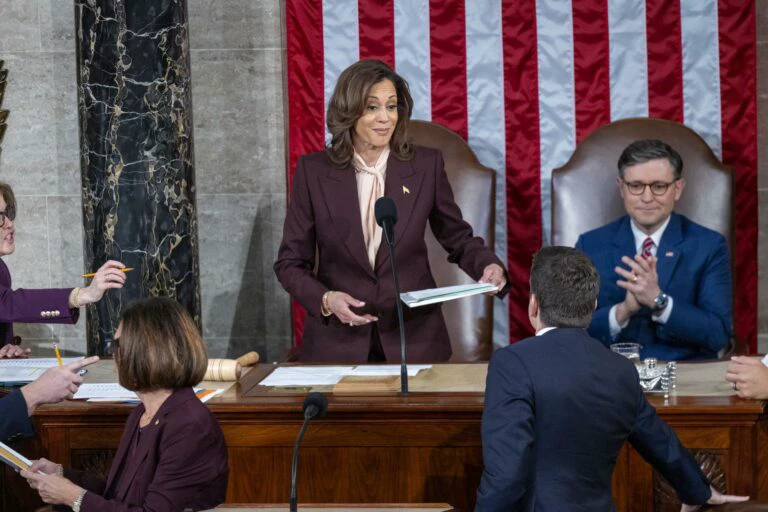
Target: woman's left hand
<point x="53" y="489"/>
<point x="494" y="274"/>
<point x="13" y="352"/>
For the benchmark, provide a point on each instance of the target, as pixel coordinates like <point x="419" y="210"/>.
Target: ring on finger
<point x="634" y="278"/>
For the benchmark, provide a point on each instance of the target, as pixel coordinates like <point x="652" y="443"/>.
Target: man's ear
<point x="533" y="306"/>
<point x="595" y="306"/>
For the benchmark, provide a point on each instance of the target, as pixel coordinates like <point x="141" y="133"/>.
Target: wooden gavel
<point x="229" y="369"/>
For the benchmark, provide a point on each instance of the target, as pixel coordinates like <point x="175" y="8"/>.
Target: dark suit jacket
<point x="49" y="306"/>
<point x="181" y="464"/>
<point x="14" y="422"/>
<point x="693" y="269"/>
<point x="558" y="408"/>
<point x="323" y="249"/>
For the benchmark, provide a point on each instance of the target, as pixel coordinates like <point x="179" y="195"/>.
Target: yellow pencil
<point x="121" y="270"/>
<point x="58" y="355"/>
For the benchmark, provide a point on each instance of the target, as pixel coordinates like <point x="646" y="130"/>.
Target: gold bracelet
<point x="73" y="298"/>
<point x="325" y="309"/>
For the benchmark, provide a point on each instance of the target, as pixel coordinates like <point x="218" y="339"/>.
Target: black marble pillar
<point x="136" y="152"/>
<point x="3" y="113"/>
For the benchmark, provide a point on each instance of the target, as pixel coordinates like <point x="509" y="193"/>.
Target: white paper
<point x="446" y="293"/>
<point x="20" y="375"/>
<point x="387" y="369"/>
<point x="765" y="360"/>
<point x="109" y="391"/>
<point x="36" y="362"/>
<point x="295" y="376"/>
<point x="6" y="451"/>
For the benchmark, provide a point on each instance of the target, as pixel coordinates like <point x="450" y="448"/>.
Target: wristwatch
<point x="660" y="302"/>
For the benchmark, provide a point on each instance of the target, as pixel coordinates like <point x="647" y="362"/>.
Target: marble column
<point x="137" y="160"/>
<point x="3" y="113"/>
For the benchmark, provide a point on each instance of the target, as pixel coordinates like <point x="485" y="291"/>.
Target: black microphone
<point x="386" y="217"/>
<point x="314" y="406"/>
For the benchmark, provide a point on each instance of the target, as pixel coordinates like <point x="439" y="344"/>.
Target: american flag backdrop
<point x="524" y="81"/>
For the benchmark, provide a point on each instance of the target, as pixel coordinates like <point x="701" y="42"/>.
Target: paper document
<point x="36" y="362"/>
<point x="13" y="458"/>
<point x="387" y="370"/>
<point x="295" y="376"/>
<point x="446" y="293"/>
<point x="24" y="371"/>
<point x="110" y="391"/>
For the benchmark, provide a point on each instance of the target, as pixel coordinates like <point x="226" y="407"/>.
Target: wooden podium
<point x="423" y="448"/>
<point x="347" y="507"/>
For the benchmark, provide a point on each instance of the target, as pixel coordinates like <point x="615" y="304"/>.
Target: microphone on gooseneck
<point x="386" y="217"/>
<point x="315" y="406"/>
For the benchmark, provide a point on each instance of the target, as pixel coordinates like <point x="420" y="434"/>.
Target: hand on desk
<point x="13" y="352"/>
<point x="715" y="499"/>
<point x="749" y="377"/>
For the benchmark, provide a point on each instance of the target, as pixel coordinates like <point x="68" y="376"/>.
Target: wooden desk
<point x="347" y="507"/>
<point x="390" y="449"/>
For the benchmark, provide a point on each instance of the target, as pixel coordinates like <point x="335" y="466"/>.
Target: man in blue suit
<point x="665" y="280"/>
<point x="559" y="406"/>
<point x="55" y="385"/>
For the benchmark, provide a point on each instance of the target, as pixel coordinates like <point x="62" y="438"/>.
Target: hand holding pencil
<point x="110" y="275"/>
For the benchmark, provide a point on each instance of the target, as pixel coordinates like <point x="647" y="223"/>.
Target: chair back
<point x="469" y="320"/>
<point x="585" y="194"/>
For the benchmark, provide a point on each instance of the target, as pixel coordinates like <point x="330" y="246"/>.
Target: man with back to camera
<point x="559" y="406"/>
<point x="665" y="280"/>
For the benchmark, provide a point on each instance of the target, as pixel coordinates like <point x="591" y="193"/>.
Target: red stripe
<point x="377" y="30"/>
<point x="738" y="92"/>
<point x="591" y="66"/>
<point x="665" y="59"/>
<point x="304" y="29"/>
<point x="523" y="162"/>
<point x="448" y="54"/>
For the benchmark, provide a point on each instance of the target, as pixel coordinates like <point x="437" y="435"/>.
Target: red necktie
<point x="647" y="246"/>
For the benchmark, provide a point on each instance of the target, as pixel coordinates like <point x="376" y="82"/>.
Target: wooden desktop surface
<point x="387" y="448"/>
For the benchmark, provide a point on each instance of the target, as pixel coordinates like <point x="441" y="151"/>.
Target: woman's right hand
<point x="44" y="465"/>
<point x="339" y="304"/>
<point x="108" y="276"/>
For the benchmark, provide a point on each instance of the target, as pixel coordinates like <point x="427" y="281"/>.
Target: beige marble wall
<point x="237" y="58"/>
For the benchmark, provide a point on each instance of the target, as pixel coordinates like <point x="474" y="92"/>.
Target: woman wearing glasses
<point x="172" y="455"/>
<point x="51" y="305"/>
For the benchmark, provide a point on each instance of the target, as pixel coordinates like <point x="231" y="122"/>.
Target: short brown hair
<point x="347" y="105"/>
<point x="565" y="283"/>
<point x="160" y="347"/>
<point x="10" y="200"/>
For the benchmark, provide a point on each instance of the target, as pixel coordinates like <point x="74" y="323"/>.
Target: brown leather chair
<point x="585" y="194"/>
<point x="470" y="320"/>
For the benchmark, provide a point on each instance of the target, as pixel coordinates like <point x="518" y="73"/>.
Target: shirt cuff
<point x="664" y="316"/>
<point x="613" y="325"/>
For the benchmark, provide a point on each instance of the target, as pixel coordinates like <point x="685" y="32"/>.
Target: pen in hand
<point x="92" y="274"/>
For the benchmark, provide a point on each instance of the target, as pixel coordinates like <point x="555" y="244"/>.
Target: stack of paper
<point x="300" y="376"/>
<point x="446" y="293"/>
<point x="113" y="392"/>
<point x="24" y="371"/>
<point x="13" y="458"/>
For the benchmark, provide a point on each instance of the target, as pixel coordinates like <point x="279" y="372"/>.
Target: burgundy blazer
<point x="181" y="464"/>
<point x="48" y="306"/>
<point x="323" y="249"/>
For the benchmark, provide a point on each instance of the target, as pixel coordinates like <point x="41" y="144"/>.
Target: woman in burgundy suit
<point x="172" y="455"/>
<point x="50" y="306"/>
<point x="332" y="259"/>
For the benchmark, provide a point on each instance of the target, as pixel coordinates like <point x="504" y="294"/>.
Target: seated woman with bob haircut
<point x="172" y="454"/>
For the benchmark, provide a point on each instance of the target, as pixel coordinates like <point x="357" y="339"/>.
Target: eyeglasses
<point x="658" y="188"/>
<point x="113" y="346"/>
<point x="9" y="214"/>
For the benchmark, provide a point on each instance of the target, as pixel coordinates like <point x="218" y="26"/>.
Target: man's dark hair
<point x="645" y="150"/>
<point x="565" y="283"/>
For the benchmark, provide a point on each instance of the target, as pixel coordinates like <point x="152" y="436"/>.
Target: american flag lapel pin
<point x="405" y="190"/>
<point x="669" y="254"/>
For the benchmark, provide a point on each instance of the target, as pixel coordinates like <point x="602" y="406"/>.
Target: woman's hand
<point x="749" y="377"/>
<point x="108" y="276"/>
<point x="339" y="304"/>
<point x="495" y="275"/>
<point x="44" y="465"/>
<point x="53" y="489"/>
<point x="13" y="352"/>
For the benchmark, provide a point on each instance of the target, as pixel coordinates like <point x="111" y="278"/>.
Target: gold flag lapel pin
<point x="405" y="190"/>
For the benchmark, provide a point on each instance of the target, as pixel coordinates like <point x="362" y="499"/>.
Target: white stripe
<point x="412" y="56"/>
<point x="701" y="70"/>
<point x="485" y="112"/>
<point x="557" y="118"/>
<point x="341" y="43"/>
<point x="628" y="62"/>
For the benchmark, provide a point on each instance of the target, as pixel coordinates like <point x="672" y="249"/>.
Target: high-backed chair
<point x="469" y="320"/>
<point x="585" y="194"/>
<point x="584" y="191"/>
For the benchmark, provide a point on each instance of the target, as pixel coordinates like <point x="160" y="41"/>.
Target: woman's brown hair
<point x="348" y="104"/>
<point x="10" y="200"/>
<point x="160" y="347"/>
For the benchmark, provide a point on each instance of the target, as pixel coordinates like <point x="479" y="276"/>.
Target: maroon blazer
<point x="48" y="306"/>
<point x="181" y="464"/>
<point x="323" y="230"/>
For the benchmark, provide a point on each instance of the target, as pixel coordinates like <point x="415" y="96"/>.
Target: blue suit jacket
<point x="14" y="421"/>
<point x="558" y="408"/>
<point x="693" y="269"/>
